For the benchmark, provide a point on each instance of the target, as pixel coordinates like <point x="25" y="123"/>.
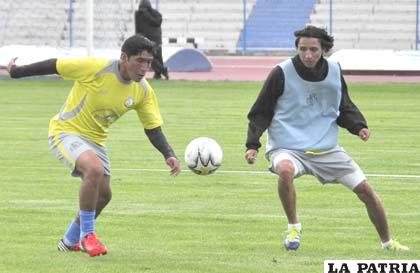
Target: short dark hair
<point x="136" y="44"/>
<point x="327" y="41"/>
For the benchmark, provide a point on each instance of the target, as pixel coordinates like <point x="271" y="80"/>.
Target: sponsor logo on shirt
<point x="105" y="117"/>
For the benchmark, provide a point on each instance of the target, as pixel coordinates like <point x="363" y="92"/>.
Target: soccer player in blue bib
<point x="301" y="105"/>
<point x="103" y="91"/>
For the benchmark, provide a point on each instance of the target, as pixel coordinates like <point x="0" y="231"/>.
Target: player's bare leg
<point x="374" y="208"/>
<point x="93" y="171"/>
<point x="105" y="194"/>
<point x="93" y="177"/>
<point x="104" y="198"/>
<point x="377" y="216"/>
<point x="286" y="189"/>
<point x="287" y="194"/>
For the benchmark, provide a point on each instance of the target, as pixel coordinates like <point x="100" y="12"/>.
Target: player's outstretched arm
<point x="158" y="139"/>
<point x="46" y="67"/>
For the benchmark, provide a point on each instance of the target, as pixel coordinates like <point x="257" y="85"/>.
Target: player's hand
<point x="173" y="163"/>
<point x="11" y="63"/>
<point x="251" y="156"/>
<point x="364" y="134"/>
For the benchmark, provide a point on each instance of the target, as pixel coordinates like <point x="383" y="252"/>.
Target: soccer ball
<point x="203" y="155"/>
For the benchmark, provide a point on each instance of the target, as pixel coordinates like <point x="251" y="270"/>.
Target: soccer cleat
<point x="65" y="248"/>
<point x="292" y="241"/>
<point x="92" y="246"/>
<point x="396" y="246"/>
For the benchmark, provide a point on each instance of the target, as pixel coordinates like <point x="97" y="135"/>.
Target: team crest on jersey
<point x="311" y="99"/>
<point x="129" y="102"/>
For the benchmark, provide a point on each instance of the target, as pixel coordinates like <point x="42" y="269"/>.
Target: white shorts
<point x="332" y="166"/>
<point x="68" y="147"/>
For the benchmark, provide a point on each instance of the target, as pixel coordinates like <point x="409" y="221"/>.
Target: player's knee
<point x="365" y="192"/>
<point x="285" y="170"/>
<point x="94" y="173"/>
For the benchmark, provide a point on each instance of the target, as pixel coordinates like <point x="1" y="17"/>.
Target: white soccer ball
<point x="203" y="155"/>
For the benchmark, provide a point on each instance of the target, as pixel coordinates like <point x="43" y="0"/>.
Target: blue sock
<point x="87" y="222"/>
<point x="72" y="235"/>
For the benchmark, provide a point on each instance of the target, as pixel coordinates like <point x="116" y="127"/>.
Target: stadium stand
<point x="32" y="22"/>
<point x="195" y="23"/>
<point x="113" y="23"/>
<point x="272" y="23"/>
<point x="45" y="23"/>
<point x="215" y="24"/>
<point x="212" y="24"/>
<point x="369" y="24"/>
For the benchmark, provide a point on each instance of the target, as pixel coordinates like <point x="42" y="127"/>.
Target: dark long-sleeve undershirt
<point x="47" y="67"/>
<point x="158" y="139"/>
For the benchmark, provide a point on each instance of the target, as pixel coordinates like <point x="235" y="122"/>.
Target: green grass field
<point x="231" y="221"/>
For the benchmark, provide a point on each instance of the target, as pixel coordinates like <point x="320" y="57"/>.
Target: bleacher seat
<point x="213" y="24"/>
<point x="272" y="23"/>
<point x="369" y="24"/>
<point x="217" y="23"/>
<point x="27" y="23"/>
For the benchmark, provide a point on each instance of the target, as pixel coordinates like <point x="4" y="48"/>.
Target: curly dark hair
<point x="327" y="41"/>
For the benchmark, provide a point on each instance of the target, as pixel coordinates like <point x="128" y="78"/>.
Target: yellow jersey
<point x="99" y="97"/>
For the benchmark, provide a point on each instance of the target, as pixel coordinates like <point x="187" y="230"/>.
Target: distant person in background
<point x="301" y="105"/>
<point x="102" y="92"/>
<point x="148" y="23"/>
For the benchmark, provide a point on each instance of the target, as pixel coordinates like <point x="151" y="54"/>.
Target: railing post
<point x="70" y="22"/>
<point x="417" y="24"/>
<point x="89" y="27"/>
<point x="331" y="17"/>
<point x="244" y="28"/>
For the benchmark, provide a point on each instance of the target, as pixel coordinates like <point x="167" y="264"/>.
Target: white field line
<point x="406" y="176"/>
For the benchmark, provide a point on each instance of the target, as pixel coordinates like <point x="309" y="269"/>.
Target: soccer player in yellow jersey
<point x="103" y="91"/>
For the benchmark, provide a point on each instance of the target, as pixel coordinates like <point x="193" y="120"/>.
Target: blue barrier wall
<point x="188" y="60"/>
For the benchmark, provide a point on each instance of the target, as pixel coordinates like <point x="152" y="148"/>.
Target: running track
<point x="233" y="68"/>
<point x="257" y="69"/>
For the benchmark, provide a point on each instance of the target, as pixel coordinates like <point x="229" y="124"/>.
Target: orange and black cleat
<point x="92" y="246"/>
